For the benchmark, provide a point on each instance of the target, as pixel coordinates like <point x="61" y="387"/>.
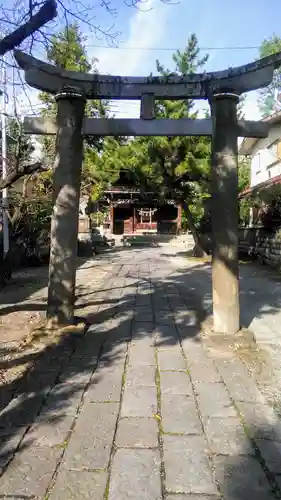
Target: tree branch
<point x="45" y="14"/>
<point x="21" y="172"/>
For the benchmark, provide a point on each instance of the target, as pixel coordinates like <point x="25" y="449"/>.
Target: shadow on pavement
<point x="63" y="370"/>
<point x="255" y="473"/>
<point x="50" y="394"/>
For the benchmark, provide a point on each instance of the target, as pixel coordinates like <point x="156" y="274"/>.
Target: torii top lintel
<point x="48" y="78"/>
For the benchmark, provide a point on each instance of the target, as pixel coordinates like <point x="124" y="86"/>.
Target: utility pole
<point x="5" y="201"/>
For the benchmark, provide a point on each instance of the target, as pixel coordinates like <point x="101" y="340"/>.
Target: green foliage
<point x="244" y="211"/>
<point x="19" y="146"/>
<point x="240" y="106"/>
<point x="166" y="165"/>
<point x="197" y="212"/>
<point x="244" y="172"/>
<point x="266" y="101"/>
<point x="67" y="51"/>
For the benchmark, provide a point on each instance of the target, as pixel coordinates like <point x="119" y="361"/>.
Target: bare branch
<point x="46" y="13"/>
<point x="22" y="171"/>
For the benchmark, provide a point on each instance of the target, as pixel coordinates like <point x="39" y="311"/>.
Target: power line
<point x="163" y="49"/>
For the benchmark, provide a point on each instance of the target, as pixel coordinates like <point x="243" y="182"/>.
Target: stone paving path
<point x="142" y="407"/>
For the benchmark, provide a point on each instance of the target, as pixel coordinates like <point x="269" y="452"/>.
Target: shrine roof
<point x="125" y="190"/>
<point x="141" y="192"/>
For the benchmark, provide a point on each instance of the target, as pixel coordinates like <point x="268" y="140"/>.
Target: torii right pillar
<point x="225" y="267"/>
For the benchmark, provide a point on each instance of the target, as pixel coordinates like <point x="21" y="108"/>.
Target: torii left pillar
<point x="66" y="194"/>
<point x="225" y="274"/>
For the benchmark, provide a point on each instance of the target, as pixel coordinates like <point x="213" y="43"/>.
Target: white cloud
<point x="251" y="108"/>
<point x="146" y="28"/>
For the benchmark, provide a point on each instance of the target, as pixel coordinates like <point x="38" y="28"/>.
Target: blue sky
<point x="217" y="23"/>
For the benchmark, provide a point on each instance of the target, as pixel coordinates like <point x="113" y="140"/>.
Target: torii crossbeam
<point x="48" y="78"/>
<point x="222" y="89"/>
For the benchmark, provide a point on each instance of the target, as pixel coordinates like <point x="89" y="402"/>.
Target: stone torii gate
<point x="71" y="89"/>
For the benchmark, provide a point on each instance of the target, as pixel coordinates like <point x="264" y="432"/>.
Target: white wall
<point x="265" y="163"/>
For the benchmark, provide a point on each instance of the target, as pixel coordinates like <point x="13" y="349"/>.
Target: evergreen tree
<point x="171" y="164"/>
<point x="267" y="95"/>
<point x="67" y="51"/>
<point x="19" y="145"/>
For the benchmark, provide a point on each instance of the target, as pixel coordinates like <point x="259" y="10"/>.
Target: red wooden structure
<point x="132" y="211"/>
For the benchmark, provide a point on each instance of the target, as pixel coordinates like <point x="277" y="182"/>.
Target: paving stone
<point x="30" y="472"/>
<point x="115" y="351"/>
<point x="261" y="421"/>
<point x="91" y="440"/>
<point x="9" y="442"/>
<point x="143" y="314"/>
<point x="190" y="333"/>
<point x="142" y="329"/>
<point x="226" y="436"/>
<point x="239" y="382"/>
<point x="140" y="376"/>
<point x="278" y="481"/>
<point x="21" y="411"/>
<point x="192" y="347"/>
<point x="121" y="334"/>
<point x="192" y="497"/>
<point x="145" y="343"/>
<point x="135" y="474"/>
<point x="241" y="478"/>
<point x="137" y="433"/>
<point x="271" y="453"/>
<point x="139" y="402"/>
<point x="171" y="360"/>
<point x="50" y="429"/>
<point x="166" y="344"/>
<point x="164" y="317"/>
<point x="175" y="383"/>
<point x="78" y="374"/>
<point x="89" y="348"/>
<point x="213" y="400"/>
<point x="64" y="398"/>
<point x="184" y="319"/>
<point x="145" y="356"/>
<point x="187" y="466"/>
<point x="143" y="295"/>
<point x="176" y="303"/>
<point x="161" y="304"/>
<point x="9" y="497"/>
<point x="203" y="370"/>
<point x="143" y="301"/>
<point x="179" y="414"/>
<point x="167" y="331"/>
<point x="70" y="485"/>
<point x="105" y="385"/>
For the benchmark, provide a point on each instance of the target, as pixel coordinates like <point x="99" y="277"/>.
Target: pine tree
<point x="67" y="51"/>
<point x="167" y="164"/>
<point x="267" y="95"/>
<point x="182" y="164"/>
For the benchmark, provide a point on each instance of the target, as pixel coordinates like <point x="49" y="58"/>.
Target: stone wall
<point x="256" y="242"/>
<point x="263" y="244"/>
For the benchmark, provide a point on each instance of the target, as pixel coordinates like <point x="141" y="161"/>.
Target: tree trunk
<point x="11" y="259"/>
<point x="6" y="266"/>
<point x="198" y="250"/>
<point x="224" y="188"/>
<point x="66" y="193"/>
